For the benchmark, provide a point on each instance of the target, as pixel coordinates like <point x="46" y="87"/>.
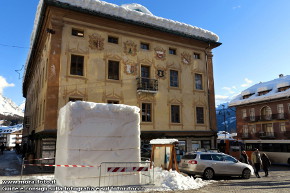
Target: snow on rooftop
<point x="10" y="129"/>
<point x="163" y="141"/>
<point x="271" y="86"/>
<point x="132" y="12"/>
<point x="137" y="7"/>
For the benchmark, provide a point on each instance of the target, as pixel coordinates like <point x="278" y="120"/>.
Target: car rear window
<point x="205" y="156"/>
<point x="218" y="157"/>
<point x="192" y="156"/>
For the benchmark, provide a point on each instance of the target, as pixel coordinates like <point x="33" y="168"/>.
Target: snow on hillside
<point x="8" y="107"/>
<point x="229" y="114"/>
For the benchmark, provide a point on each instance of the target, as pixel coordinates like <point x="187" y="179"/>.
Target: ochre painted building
<point x="84" y="54"/>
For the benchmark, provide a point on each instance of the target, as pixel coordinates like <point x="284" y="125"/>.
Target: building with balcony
<point x="262" y="110"/>
<point x="104" y="53"/>
<point x="11" y="135"/>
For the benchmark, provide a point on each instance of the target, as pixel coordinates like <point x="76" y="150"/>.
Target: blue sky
<point x="254" y="36"/>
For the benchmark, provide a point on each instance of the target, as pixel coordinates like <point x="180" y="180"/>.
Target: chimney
<point x="281" y="75"/>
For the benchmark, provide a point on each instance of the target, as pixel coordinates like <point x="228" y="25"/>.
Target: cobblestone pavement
<point x="277" y="181"/>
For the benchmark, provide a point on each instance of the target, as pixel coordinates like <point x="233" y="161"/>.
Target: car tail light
<point x="192" y="162"/>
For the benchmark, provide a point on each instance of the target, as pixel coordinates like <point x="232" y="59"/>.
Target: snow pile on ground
<point x="92" y="133"/>
<point x="172" y="180"/>
<point x="164" y="181"/>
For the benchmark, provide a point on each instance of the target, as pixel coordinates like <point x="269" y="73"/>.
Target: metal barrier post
<point x="22" y="166"/>
<point x="100" y="175"/>
<point x="115" y="172"/>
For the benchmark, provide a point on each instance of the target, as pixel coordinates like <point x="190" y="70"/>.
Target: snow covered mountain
<point x="226" y="118"/>
<point x="9" y="108"/>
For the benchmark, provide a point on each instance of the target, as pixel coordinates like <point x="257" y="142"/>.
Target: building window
<point x="77" y="65"/>
<point x="248" y="96"/>
<point x="280" y="109"/>
<point x="73" y="99"/>
<point x="282" y="127"/>
<point x="196" y="56"/>
<point x="172" y="51"/>
<point x="113" y="70"/>
<point x="113" y="40"/>
<point x="112" y="102"/>
<point x="195" y="145"/>
<point x="266" y="113"/>
<point x="205" y="144"/>
<point x="77" y="32"/>
<point x="198" y="82"/>
<point x="252" y="114"/>
<point x="245" y="131"/>
<point x="263" y="92"/>
<point x="281" y="89"/>
<point x="252" y="129"/>
<point x="199" y="115"/>
<point x="146" y="112"/>
<point x="174" y="78"/>
<point x="144" y="46"/>
<point x="244" y="113"/>
<point x="175" y="114"/>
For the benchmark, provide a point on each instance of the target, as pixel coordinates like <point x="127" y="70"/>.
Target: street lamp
<point x="224" y="111"/>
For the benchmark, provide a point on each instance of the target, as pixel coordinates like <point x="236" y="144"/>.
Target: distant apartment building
<point x="263" y="110"/>
<point x="104" y="53"/>
<point x="11" y="135"/>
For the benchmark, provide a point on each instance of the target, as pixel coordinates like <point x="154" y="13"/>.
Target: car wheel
<point x="246" y="173"/>
<point x="208" y="173"/>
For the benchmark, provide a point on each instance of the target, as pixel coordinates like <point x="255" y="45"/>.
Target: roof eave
<point x="55" y="3"/>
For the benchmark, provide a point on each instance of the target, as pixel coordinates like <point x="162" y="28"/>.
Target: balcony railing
<point x="278" y="116"/>
<point x="246" y="136"/>
<point x="268" y="135"/>
<point x="147" y="85"/>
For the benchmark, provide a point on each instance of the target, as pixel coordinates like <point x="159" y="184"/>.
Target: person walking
<point x="244" y="158"/>
<point x="2" y="147"/>
<point x="256" y="161"/>
<point x="266" y="163"/>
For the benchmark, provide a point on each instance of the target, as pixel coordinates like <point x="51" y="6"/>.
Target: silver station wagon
<point x="210" y="164"/>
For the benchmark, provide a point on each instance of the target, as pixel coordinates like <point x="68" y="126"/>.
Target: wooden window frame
<point x="195" y="82"/>
<point x="197" y="115"/>
<point x="113" y="102"/>
<point x="146" y="120"/>
<point x="173" y="119"/>
<point x="108" y="71"/>
<point x="113" y="40"/>
<point x="147" y="45"/>
<point x="77" y="32"/>
<point x="170" y="79"/>
<point x="172" y="51"/>
<point x="196" y="56"/>
<point x="71" y="64"/>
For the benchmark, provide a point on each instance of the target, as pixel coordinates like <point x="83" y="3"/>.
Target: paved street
<point x="278" y="180"/>
<point x="9" y="164"/>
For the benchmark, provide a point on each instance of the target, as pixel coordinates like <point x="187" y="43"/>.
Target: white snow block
<point x="92" y="133"/>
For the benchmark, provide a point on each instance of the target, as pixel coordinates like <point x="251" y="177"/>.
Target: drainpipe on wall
<point x="208" y="93"/>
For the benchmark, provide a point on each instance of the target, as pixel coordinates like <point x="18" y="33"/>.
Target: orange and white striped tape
<point x="67" y="166"/>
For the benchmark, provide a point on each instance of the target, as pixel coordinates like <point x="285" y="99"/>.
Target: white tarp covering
<point x="92" y="133"/>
